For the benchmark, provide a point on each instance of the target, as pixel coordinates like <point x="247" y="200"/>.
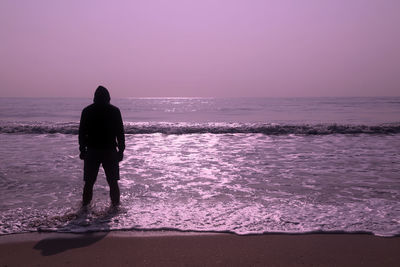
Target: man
<point x="101" y="131"/>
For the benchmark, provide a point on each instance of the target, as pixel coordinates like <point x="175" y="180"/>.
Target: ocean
<point x="240" y="165"/>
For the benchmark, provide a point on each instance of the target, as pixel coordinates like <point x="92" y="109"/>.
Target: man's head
<point x="101" y="96"/>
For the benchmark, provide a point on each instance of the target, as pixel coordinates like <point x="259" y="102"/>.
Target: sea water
<point x="241" y="165"/>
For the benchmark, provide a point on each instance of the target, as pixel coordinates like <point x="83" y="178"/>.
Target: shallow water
<point x="206" y="164"/>
<point x="244" y="183"/>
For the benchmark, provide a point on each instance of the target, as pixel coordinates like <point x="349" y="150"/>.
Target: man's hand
<point x="120" y="155"/>
<point x="83" y="155"/>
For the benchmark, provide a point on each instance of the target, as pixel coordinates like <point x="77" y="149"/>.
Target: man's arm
<point x="83" y="135"/>
<point x="120" y="136"/>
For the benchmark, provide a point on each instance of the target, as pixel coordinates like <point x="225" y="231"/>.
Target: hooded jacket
<point x="101" y="125"/>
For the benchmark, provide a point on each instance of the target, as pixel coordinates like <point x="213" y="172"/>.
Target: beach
<point x="200" y="133"/>
<point x="167" y="248"/>
<point x="242" y="165"/>
<point x="206" y="182"/>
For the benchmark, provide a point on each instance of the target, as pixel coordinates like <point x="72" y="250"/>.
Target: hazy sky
<point x="200" y="48"/>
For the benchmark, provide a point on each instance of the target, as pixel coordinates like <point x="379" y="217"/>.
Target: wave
<point x="177" y="231"/>
<point x="172" y="231"/>
<point x="204" y="128"/>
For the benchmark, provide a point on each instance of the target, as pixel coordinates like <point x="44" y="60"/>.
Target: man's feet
<point x="85" y="204"/>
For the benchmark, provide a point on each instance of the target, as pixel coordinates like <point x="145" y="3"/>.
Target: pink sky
<point x="200" y="48"/>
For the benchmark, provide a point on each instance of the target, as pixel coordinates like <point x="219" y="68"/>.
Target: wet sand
<point x="193" y="249"/>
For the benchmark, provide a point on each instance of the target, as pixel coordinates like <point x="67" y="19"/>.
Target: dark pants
<point x="108" y="158"/>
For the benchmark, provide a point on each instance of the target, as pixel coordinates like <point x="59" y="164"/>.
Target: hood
<point x="101" y="96"/>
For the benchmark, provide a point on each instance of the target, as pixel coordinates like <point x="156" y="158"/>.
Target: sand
<point x="192" y="249"/>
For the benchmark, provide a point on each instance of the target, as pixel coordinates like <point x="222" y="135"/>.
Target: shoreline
<point x="129" y="233"/>
<point x="169" y="248"/>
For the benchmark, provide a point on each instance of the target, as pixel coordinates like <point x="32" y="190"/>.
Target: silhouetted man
<point x="101" y="131"/>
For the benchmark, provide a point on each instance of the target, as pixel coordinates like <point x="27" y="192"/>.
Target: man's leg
<point x="111" y="169"/>
<point x="87" y="192"/>
<point x="114" y="191"/>
<point x="90" y="171"/>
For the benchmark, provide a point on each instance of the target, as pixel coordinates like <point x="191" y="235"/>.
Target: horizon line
<point x="203" y="97"/>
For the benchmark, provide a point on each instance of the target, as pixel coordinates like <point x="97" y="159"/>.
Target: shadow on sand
<point x="54" y="245"/>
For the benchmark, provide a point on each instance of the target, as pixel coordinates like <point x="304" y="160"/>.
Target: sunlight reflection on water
<point x="245" y="183"/>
